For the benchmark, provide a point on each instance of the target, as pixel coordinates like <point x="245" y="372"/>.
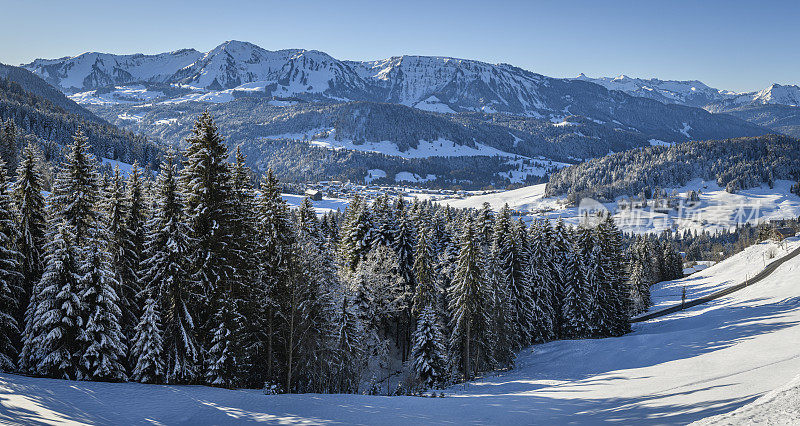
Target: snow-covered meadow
<point x="716" y="209"/>
<point x="706" y="361"/>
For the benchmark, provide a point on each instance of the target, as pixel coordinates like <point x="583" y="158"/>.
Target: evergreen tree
<point x="404" y="247"/>
<point x="469" y="293"/>
<point x="428" y="353"/>
<point x="10" y="277"/>
<point x="221" y="358"/>
<point x="102" y="349"/>
<point x="541" y="283"/>
<point x="275" y="250"/>
<point x="575" y="308"/>
<point x="357" y="233"/>
<point x="32" y="226"/>
<point x="508" y="331"/>
<point x="614" y="318"/>
<point x="560" y="247"/>
<point x="135" y="221"/>
<point x="123" y="261"/>
<point x="76" y="193"/>
<point x="8" y="146"/>
<point x="164" y="271"/>
<point x="206" y="187"/>
<point x="427" y="291"/>
<point x="148" y="346"/>
<point x="349" y="339"/>
<point x="57" y="322"/>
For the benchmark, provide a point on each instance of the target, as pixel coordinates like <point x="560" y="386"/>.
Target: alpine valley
<point x="496" y="125"/>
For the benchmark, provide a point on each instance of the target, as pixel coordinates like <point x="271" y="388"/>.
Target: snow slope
<point x="322" y="206"/>
<point x="706" y="361"/>
<point x="781" y="406"/>
<point x="716" y="210"/>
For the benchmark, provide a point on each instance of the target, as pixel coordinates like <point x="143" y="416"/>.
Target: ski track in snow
<point x="708" y="360"/>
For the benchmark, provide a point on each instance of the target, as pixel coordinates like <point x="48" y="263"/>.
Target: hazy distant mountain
<point x="690" y="93"/>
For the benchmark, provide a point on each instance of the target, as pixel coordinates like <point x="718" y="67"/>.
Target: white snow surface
<point x="717" y="209"/>
<point x="323" y="206"/>
<point x="438" y="148"/>
<point x="778" y="407"/>
<point x="412" y="177"/>
<point x="705" y="361"/>
<point x="374" y="174"/>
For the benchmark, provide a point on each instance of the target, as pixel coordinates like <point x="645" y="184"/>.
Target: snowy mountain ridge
<point x="696" y="93"/>
<point x="691" y="92"/>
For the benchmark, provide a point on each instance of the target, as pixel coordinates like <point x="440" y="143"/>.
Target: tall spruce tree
<point x="11" y="293"/>
<point x="134" y="222"/>
<point x="503" y="257"/>
<point x="8" y="146"/>
<point x="206" y="187"/>
<point x="123" y="261"/>
<point x="427" y="291"/>
<point x="428" y="351"/>
<point x="57" y="323"/>
<point x="148" y="344"/>
<point x="165" y="271"/>
<point x="349" y="340"/>
<point x="103" y="350"/>
<point x="541" y="282"/>
<point x="32" y="227"/>
<point x="275" y="250"/>
<point x="470" y="320"/>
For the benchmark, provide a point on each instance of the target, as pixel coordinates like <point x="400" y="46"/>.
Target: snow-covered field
<point x="716" y="210"/>
<point x="706" y="361"/>
<point x="323" y="206"/>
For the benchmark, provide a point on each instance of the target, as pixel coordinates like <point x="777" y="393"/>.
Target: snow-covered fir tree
<point x="275" y="250"/>
<point x="541" y="282"/>
<point x="57" y="323"/>
<point x="165" y="272"/>
<point x="206" y="186"/>
<point x="11" y="294"/>
<point x="427" y="290"/>
<point x="470" y="335"/>
<point x="349" y="340"/>
<point x="428" y="351"/>
<point x="32" y="227"/>
<point x="134" y="223"/>
<point x="148" y="344"/>
<point x="103" y="348"/>
<point x="123" y="261"/>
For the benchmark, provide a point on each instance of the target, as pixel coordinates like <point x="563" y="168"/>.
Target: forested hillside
<point x="199" y="277"/>
<point x="733" y="163"/>
<point x="34" y="85"/>
<point x="38" y="120"/>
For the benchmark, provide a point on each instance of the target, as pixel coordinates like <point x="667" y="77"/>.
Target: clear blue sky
<point x="736" y="45"/>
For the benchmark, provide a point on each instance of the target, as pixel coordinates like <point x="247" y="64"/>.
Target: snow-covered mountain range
<point x="696" y="93"/>
<point x="438" y="84"/>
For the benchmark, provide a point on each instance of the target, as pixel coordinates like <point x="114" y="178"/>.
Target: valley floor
<point x="709" y="360"/>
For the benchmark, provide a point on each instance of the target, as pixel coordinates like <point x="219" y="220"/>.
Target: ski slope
<point x="706" y="361"/>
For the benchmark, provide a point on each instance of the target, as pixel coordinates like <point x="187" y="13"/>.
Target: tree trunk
<point x="466" y="353"/>
<point x="270" y="321"/>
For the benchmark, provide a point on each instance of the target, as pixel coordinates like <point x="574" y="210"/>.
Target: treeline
<point x="733" y="163"/>
<point x="38" y="120"/>
<point x="298" y="161"/>
<point x="199" y="277"/>
<point x="245" y="119"/>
